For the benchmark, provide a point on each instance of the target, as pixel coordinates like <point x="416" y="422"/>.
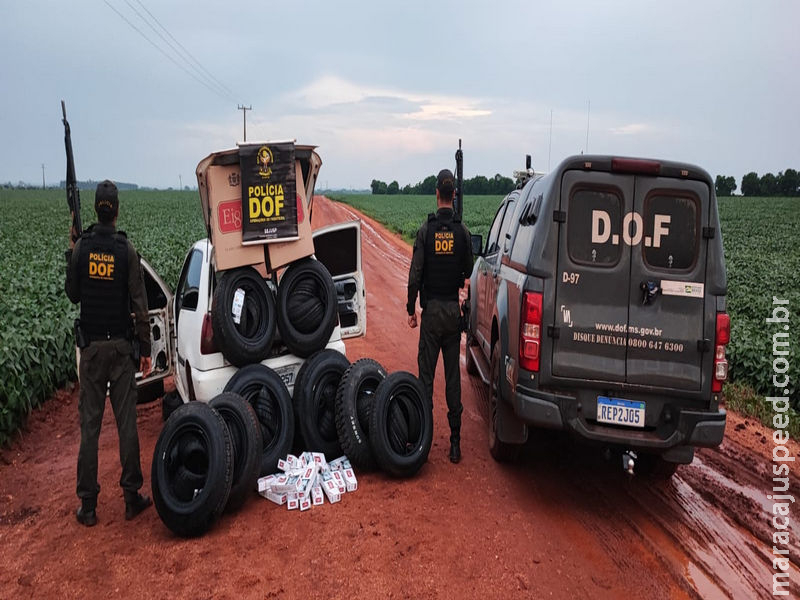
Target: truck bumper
<point x="554" y="411"/>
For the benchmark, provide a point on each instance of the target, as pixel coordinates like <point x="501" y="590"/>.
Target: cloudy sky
<point x="387" y="89"/>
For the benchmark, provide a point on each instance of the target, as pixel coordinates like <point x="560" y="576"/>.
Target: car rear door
<point x="592" y="278"/>
<point x="666" y="324"/>
<point x="338" y="247"/>
<point x="159" y="307"/>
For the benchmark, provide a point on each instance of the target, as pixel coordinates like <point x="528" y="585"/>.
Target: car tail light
<point x="635" y="165"/>
<point x="722" y="337"/>
<point x="207" y="345"/>
<point x="530" y="334"/>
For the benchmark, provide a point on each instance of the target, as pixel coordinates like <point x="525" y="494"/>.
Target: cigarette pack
<point x="339" y="480"/>
<point x="293" y="503"/>
<point x="350" y="480"/>
<point x="279" y="499"/>
<point x="319" y="459"/>
<point x="331" y="490"/>
<point x="305" y="503"/>
<point x="265" y="483"/>
<point x="317" y="497"/>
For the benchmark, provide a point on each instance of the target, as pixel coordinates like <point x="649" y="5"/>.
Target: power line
<point x="210" y="81"/>
<point x="157" y="47"/>
<point x="189" y="54"/>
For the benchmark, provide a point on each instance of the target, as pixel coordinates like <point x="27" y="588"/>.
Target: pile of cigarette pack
<point x="306" y="480"/>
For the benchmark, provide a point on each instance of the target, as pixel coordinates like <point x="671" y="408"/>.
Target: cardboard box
<point x="219" y="183"/>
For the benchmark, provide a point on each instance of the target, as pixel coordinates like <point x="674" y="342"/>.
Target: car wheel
<point x="315" y="401"/>
<point x="192" y="469"/>
<point x="243" y="316"/>
<point x="265" y="391"/>
<point x="354" y="400"/>
<point x="401" y="425"/>
<point x="151" y="391"/>
<point x="500" y="451"/>
<point x="169" y="402"/>
<point x="653" y="466"/>
<point x="307" y="307"/>
<point x="245" y="433"/>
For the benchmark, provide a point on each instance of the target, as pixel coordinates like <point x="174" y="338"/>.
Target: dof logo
<point x="101" y="266"/>
<point x="443" y="242"/>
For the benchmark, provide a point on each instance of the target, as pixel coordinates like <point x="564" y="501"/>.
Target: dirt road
<point x="562" y="523"/>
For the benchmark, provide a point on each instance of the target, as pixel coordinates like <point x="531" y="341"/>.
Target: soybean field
<point x="761" y="237"/>
<point x="36" y="341"/>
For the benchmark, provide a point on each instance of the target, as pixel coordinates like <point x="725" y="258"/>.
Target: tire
<point x="307" y="307"/>
<point x="245" y="433"/>
<point x="150" y="392"/>
<point x="315" y="401"/>
<point x="192" y="469"/>
<point x="500" y="451"/>
<point x="250" y="340"/>
<point x="401" y="425"/>
<point x="169" y="402"/>
<point x="354" y="400"/>
<point x="265" y="391"/>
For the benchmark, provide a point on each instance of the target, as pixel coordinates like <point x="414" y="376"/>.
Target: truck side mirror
<point x="477" y="244"/>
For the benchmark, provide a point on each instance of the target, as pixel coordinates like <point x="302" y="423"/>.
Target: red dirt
<point x="560" y="523"/>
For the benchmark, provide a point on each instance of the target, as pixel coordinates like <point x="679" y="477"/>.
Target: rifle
<point x="73" y="194"/>
<point x="458" y="199"/>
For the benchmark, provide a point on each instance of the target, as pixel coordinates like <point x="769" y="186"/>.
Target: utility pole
<point x="244" y="110"/>
<point x="550" y="145"/>
<point x="44" y="187"/>
<point x="180" y="182"/>
<point x="588" y="111"/>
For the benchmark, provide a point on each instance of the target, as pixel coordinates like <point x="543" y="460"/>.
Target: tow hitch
<point x="628" y="461"/>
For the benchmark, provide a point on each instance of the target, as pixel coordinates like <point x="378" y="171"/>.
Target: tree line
<point x="785" y="183"/>
<point x="477" y="186"/>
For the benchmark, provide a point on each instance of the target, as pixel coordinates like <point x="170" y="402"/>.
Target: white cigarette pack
<point x="265" y="483"/>
<point x="292" y="503"/>
<point x="339" y="480"/>
<point x="331" y="491"/>
<point x="305" y="503"/>
<point x="279" y="499"/>
<point x="317" y="497"/>
<point x="350" y="480"/>
<point x="319" y="459"/>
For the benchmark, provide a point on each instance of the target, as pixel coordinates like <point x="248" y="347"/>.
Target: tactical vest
<point x="103" y="269"/>
<point x="445" y="244"/>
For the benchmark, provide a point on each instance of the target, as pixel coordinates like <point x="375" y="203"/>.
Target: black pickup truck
<point x="598" y="307"/>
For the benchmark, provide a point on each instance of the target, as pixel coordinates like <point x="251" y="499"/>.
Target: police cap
<point x="106" y="201"/>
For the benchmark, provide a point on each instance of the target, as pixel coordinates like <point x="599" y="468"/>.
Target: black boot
<point x="136" y="504"/>
<point x="455" y="447"/>
<point x="87" y="514"/>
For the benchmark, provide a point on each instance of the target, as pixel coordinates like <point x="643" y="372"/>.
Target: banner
<point x="269" y="206"/>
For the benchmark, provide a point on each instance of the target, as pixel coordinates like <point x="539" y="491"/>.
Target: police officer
<point x="441" y="261"/>
<point x="105" y="276"/>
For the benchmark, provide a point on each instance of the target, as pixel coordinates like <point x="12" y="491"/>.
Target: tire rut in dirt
<point x="192" y="469"/>
<point x="354" y="400"/>
<point x="245" y="433"/>
<point x="307" y="307"/>
<point x="315" y="401"/>
<point x="399" y="410"/>
<point x="249" y="340"/>
<point x="265" y="391"/>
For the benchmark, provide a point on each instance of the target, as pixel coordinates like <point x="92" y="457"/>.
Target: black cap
<point x="445" y="182"/>
<point x="106" y="201"/>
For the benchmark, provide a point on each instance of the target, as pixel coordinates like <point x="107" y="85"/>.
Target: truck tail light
<point x="722" y="337"/>
<point x="635" y="165"/>
<point x="530" y="334"/>
<point x="207" y="345"/>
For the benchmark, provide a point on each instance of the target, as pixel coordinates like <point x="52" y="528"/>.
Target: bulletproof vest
<point x="103" y="269"/>
<point x="445" y="244"/>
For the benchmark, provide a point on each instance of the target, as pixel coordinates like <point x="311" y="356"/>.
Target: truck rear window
<point x="594" y="215"/>
<point x="674" y="246"/>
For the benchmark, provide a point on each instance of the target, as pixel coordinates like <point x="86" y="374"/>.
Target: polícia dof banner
<point x="269" y="206"/>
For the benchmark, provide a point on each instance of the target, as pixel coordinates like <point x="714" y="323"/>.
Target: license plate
<point x="617" y="411"/>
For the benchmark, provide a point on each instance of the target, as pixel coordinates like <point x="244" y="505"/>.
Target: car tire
<point x="250" y="340"/>
<point x="265" y="391"/>
<point x="150" y="392"/>
<point x="245" y="433"/>
<point x="354" y="400"/>
<point x="401" y="425"/>
<point x="307" y="307"/>
<point x="169" y="402"/>
<point x="192" y="469"/>
<point x="500" y="451"/>
<point x="315" y="401"/>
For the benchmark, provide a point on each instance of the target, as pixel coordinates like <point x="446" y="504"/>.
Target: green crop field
<point x="36" y="341"/>
<point x="761" y="238"/>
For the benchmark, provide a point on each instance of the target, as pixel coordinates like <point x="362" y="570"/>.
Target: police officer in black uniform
<point x="441" y="261"/>
<point x="105" y="276"/>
